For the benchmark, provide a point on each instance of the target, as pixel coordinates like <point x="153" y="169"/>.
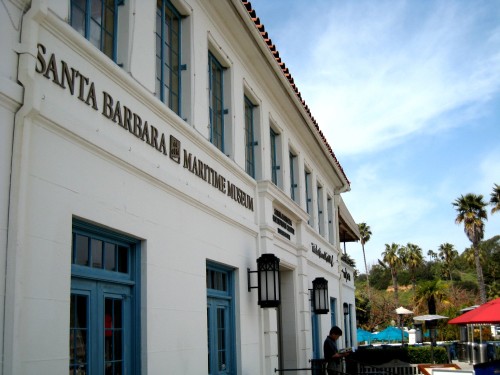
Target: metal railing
<point x="354" y="367"/>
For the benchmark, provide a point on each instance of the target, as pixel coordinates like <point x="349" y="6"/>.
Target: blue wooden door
<point x="100" y="321"/>
<point x="219" y="337"/>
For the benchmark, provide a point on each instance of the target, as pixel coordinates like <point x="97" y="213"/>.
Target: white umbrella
<point x="429" y="317"/>
<point x="402" y="311"/>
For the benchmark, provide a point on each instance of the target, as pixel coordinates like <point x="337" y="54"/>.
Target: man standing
<point x="332" y="355"/>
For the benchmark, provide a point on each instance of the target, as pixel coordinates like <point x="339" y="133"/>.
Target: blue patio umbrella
<point x="364" y="335"/>
<point x="390" y="334"/>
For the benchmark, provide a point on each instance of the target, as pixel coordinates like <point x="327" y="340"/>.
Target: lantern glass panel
<point x="320" y="296"/>
<point x="268" y="280"/>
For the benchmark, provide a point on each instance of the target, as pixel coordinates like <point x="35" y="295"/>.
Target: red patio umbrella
<point x="486" y="313"/>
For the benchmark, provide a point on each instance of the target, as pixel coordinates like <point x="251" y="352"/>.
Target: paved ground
<point x="464" y="365"/>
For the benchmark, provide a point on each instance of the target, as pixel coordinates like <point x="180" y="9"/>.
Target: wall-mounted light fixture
<point x="319" y="297"/>
<point x="268" y="281"/>
<point x="346" y="309"/>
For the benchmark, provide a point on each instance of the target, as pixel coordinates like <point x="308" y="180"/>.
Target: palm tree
<point x="432" y="255"/>
<point x="495" y="199"/>
<point x="365" y="234"/>
<point x="469" y="255"/>
<point x="414" y="259"/>
<point x="429" y="293"/>
<point x="448" y="254"/>
<point x="391" y="257"/>
<point x="471" y="211"/>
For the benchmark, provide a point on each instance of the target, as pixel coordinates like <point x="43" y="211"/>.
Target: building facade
<point x="152" y="151"/>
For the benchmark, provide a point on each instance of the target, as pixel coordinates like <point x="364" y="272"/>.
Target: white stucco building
<point x="151" y="152"/>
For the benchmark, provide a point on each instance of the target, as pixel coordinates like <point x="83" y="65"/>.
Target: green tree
<point x="391" y="258"/>
<point x="414" y="260"/>
<point x="472" y="213"/>
<point x="447" y="254"/>
<point x="432" y="255"/>
<point x="380" y="276"/>
<point x="495" y="199"/>
<point x="429" y="293"/>
<point x="365" y="234"/>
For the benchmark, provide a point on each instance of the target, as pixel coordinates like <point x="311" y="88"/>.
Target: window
<point x="331" y="230"/>
<point x="104" y="302"/>
<point x="275" y="157"/>
<point x="220" y="320"/>
<point x="333" y="311"/>
<point x="96" y="20"/>
<point x="168" y="55"/>
<point x="308" y="196"/>
<point x="250" y="142"/>
<point x="347" y="325"/>
<point x="321" y="225"/>
<point x="293" y="180"/>
<point x="216" y="101"/>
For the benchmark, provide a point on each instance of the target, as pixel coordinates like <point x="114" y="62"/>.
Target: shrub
<point x="422" y="354"/>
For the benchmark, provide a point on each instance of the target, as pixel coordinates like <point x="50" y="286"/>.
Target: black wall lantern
<point x="268" y="281"/>
<point x="346" y="309"/>
<point x="320" y="299"/>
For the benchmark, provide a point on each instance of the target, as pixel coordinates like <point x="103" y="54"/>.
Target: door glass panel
<point x="113" y="336"/>
<point x="209" y="336"/>
<point x="78" y="334"/>
<point x="221" y="338"/>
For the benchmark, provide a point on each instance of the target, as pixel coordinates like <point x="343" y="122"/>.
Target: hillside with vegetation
<point x="446" y="279"/>
<point x="443" y="283"/>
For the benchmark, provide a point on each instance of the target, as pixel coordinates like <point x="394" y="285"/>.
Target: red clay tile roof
<point x="289" y="77"/>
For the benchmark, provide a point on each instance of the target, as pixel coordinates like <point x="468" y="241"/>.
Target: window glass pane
<point x="108" y="45"/>
<point x="96" y="11"/>
<point x="78" y="16"/>
<point x="110" y="256"/>
<point x="95" y="34"/>
<point x="96" y="251"/>
<point x="109" y="19"/>
<point x="123" y="259"/>
<point x="81" y="250"/>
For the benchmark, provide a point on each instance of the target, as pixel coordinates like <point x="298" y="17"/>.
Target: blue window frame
<point x="168" y="55"/>
<point x="250" y="142"/>
<point x="293" y="182"/>
<point x="104" y="307"/>
<point x="97" y="21"/>
<point x="220" y="320"/>
<point x="308" y="195"/>
<point x="274" y="157"/>
<point x="216" y="101"/>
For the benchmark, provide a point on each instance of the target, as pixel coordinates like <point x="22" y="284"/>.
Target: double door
<point x="100" y="334"/>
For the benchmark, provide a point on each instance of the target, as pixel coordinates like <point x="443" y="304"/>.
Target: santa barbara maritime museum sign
<point x="72" y="80"/>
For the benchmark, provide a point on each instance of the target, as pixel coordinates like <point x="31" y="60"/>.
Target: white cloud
<point x="375" y="82"/>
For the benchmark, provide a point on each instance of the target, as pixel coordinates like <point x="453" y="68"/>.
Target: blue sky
<point x="408" y="96"/>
